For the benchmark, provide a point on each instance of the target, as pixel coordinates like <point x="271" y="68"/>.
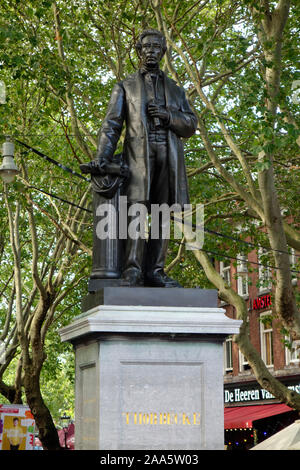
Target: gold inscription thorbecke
<point x="162" y="418"/>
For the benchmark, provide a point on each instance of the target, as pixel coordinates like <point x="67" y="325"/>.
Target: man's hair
<point x="151" y="32"/>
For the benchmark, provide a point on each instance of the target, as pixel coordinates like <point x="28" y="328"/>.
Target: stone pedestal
<point x="150" y="377"/>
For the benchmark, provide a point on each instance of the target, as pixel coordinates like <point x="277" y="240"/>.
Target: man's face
<point x="151" y="51"/>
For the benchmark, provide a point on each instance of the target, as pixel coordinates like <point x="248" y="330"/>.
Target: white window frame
<point x="266" y="334"/>
<point x="264" y="273"/>
<point x="243" y="363"/>
<point x="293" y="265"/>
<point x="225" y="271"/>
<point x="242" y="276"/>
<point x="228" y="361"/>
<point x="2" y="92"/>
<point x="292" y="357"/>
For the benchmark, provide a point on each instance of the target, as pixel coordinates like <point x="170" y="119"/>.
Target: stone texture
<point x="149" y="377"/>
<point x="151" y="296"/>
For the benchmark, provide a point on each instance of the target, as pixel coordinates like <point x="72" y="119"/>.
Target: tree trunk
<point x="261" y="372"/>
<point x="270" y="36"/>
<point x="47" y="432"/>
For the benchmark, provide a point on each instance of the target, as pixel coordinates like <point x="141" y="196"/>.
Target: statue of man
<point x="157" y="115"/>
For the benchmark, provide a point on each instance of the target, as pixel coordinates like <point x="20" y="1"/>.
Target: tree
<point x="39" y="246"/>
<point x="252" y="182"/>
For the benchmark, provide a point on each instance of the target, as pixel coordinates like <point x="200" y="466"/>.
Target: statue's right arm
<point x="111" y="128"/>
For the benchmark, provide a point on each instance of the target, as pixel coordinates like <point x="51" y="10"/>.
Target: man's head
<point x="151" y="47"/>
<point x="15" y="422"/>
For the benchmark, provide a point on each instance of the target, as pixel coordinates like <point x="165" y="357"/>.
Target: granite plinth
<point x="151" y="296"/>
<point x="150" y="377"/>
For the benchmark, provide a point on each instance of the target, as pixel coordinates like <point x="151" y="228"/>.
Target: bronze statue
<point x="157" y="115"/>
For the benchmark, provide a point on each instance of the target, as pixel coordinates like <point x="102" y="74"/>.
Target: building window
<point x="264" y="272"/>
<point x="242" y="276"/>
<point x="243" y="363"/>
<point x="292" y="352"/>
<point x="225" y="271"/>
<point x="293" y="265"/>
<point x="228" y="367"/>
<point x="2" y="92"/>
<point x="266" y="338"/>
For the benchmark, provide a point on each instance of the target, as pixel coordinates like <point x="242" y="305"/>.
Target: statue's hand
<point x="124" y="171"/>
<point x="92" y="167"/>
<point x="117" y="169"/>
<point x="157" y="111"/>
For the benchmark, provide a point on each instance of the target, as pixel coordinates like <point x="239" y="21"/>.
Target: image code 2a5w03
<point x="171" y="459"/>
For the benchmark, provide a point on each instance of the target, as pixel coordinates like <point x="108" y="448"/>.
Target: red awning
<point x="243" y="416"/>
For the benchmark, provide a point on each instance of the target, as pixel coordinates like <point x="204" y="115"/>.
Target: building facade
<point x="252" y="414"/>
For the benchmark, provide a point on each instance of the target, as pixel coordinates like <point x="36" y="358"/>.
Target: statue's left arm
<point x="112" y="125"/>
<point x="182" y="121"/>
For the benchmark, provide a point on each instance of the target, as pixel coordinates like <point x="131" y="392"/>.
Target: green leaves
<point x="98" y="38"/>
<point x="263" y="165"/>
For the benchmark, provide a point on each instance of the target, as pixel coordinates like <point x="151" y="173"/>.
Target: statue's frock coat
<point x="128" y="104"/>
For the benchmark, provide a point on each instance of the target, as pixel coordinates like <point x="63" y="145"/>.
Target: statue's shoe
<point x="132" y="277"/>
<point x="160" y="279"/>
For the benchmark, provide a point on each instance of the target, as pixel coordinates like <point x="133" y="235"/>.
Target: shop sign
<point x="17" y="428"/>
<point x="238" y="395"/>
<point x="262" y="302"/>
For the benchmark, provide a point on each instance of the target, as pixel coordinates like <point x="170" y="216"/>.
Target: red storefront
<point x="252" y="414"/>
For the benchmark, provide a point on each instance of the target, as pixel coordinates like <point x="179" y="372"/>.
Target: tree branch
<point x="69" y="99"/>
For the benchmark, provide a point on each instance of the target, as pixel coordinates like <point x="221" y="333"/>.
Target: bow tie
<point x="154" y="72"/>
